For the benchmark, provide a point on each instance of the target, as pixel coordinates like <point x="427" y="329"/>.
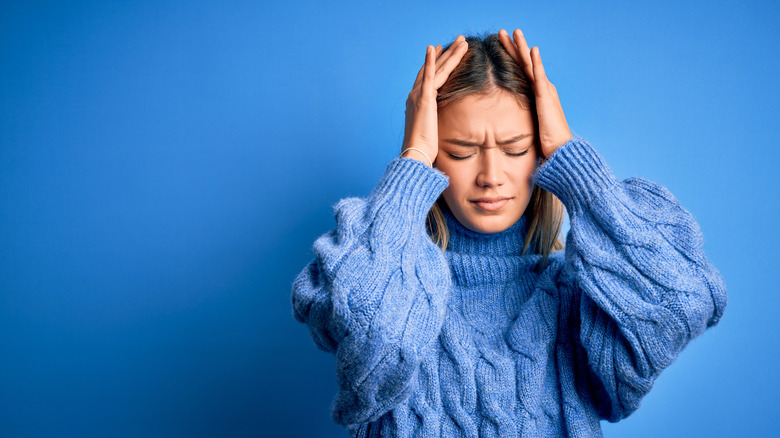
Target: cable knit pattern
<point x="472" y="342"/>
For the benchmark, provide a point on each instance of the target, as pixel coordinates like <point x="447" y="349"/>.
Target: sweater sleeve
<point x="638" y="283"/>
<point x="375" y="294"/>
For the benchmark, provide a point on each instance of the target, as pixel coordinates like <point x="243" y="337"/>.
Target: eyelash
<point x="511" y="155"/>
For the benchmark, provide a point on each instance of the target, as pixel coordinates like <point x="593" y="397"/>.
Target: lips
<point x="491" y="203"/>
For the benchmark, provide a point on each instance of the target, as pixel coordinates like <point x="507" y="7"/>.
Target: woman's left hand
<point x="553" y="129"/>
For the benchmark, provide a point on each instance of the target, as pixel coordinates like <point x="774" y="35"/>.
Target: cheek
<point x="454" y="190"/>
<point x="455" y="173"/>
<point x="524" y="172"/>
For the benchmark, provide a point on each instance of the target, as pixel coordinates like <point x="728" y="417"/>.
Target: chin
<point x="492" y="225"/>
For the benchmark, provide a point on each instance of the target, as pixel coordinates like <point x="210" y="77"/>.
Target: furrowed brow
<point x="471" y="144"/>
<point x="514" y="139"/>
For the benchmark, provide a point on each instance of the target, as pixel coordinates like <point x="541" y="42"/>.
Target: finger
<point x="450" y="50"/>
<point x="438" y="51"/>
<point x="429" y="73"/>
<point x="418" y="79"/>
<point x="503" y="36"/>
<point x="440" y="58"/>
<point x="539" y="75"/>
<point x="443" y="72"/>
<point x="525" y="53"/>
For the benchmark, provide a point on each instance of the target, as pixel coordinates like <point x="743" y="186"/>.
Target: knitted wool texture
<point x="471" y="342"/>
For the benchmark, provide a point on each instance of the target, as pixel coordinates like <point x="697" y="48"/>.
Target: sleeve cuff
<point x="410" y="186"/>
<point x="575" y="173"/>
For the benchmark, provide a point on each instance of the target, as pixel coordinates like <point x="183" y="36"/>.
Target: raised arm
<point x="635" y="277"/>
<point x="375" y="294"/>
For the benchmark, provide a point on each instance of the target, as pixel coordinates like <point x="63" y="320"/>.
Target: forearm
<point x="637" y="269"/>
<point x="376" y="293"/>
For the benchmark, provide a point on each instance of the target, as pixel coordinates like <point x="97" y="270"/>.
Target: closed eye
<point x="519" y="154"/>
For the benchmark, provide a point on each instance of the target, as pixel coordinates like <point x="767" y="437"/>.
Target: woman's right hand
<point x="421" y="130"/>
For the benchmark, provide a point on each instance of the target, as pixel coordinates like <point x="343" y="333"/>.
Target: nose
<point x="491" y="173"/>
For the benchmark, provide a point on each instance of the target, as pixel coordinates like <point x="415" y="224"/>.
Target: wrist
<point x="418" y="155"/>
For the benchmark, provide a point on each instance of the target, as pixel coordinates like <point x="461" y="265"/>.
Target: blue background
<point x="166" y="166"/>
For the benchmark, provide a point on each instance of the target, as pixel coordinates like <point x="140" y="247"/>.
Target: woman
<point x="450" y="304"/>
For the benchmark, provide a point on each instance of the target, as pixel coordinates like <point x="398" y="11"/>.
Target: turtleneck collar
<point x="465" y="241"/>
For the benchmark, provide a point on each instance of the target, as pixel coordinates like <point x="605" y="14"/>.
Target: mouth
<point x="491" y="204"/>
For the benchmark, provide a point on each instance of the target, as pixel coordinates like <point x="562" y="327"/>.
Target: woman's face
<point x="486" y="148"/>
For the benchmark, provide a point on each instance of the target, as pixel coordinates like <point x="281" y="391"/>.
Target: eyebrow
<point x="468" y="143"/>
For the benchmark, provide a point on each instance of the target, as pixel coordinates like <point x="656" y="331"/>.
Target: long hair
<point x="487" y="67"/>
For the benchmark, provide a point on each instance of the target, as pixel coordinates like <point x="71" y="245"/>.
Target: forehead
<point x="476" y="114"/>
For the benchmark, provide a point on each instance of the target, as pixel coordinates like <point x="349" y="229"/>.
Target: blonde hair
<point x="485" y="68"/>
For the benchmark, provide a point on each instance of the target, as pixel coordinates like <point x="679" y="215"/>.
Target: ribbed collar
<point x="478" y="259"/>
<point x="465" y="241"/>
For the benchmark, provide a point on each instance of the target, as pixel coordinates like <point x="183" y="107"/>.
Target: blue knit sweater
<point x="471" y="342"/>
